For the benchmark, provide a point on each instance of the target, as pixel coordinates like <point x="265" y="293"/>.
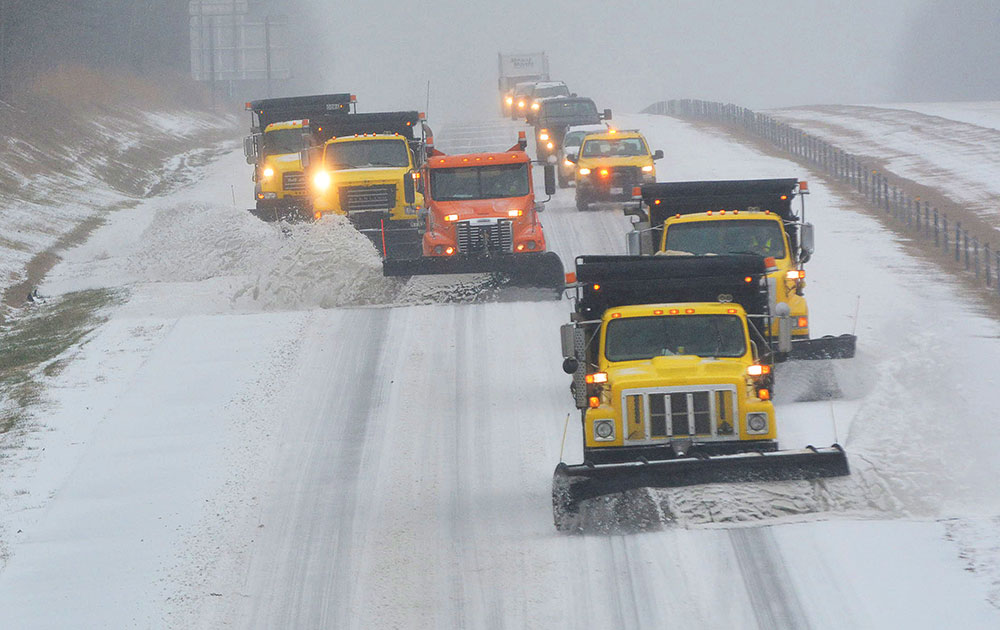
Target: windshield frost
<point x="282" y="141"/>
<point x="761" y="238"/>
<point x="366" y="153"/>
<point x="637" y="338"/>
<point x="486" y="182"/>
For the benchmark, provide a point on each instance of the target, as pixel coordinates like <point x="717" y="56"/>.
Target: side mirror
<point x="304" y="157"/>
<point x="550" y="179"/>
<point x="250" y="150"/>
<point x="783" y="311"/>
<point x="807" y="241"/>
<point x="567" y="335"/>
<point x="658" y="154"/>
<point x="409" y="189"/>
<point x="606" y="115"/>
<point x="634" y="243"/>
<point x="572" y="157"/>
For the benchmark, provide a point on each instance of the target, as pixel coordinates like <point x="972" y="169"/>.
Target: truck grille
<point x="494" y="235"/>
<point x="294" y="180"/>
<point x="658" y="415"/>
<point x="624" y="176"/>
<point x="359" y="198"/>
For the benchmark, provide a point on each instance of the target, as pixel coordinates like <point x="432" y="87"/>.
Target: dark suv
<point x="556" y="114"/>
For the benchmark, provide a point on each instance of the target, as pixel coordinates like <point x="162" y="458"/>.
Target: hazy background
<point x="629" y="53"/>
<point x="624" y="53"/>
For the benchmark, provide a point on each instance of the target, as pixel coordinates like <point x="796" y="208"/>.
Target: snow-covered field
<point x="952" y="148"/>
<point x="79" y="169"/>
<point x="268" y="434"/>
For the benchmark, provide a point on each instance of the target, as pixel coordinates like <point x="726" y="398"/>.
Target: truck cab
<point x="361" y="176"/>
<point x="758" y="232"/>
<point x="480" y="205"/>
<point x="672" y="371"/>
<point x="610" y="164"/>
<point x="540" y="91"/>
<point x="279" y="177"/>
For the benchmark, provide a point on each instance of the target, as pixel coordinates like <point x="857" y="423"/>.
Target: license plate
<point x="617" y="190"/>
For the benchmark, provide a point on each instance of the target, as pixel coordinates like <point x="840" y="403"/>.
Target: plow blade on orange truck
<point x="542" y="270"/>
<point x="573" y="486"/>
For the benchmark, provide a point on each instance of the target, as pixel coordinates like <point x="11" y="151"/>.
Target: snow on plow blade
<point x="542" y="270"/>
<point x="829" y="347"/>
<point x="573" y="485"/>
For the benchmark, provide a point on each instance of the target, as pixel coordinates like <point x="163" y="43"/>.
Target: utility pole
<point x="267" y="50"/>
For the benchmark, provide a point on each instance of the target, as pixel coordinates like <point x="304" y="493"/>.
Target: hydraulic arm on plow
<point x="672" y="361"/>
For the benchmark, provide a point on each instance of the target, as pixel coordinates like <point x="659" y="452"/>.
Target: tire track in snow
<point x="303" y="557"/>
<point x="775" y="602"/>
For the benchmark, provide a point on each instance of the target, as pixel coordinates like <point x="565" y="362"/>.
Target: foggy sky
<point x="625" y="53"/>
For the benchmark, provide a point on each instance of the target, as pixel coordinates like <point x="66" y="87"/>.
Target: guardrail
<point x="883" y="191"/>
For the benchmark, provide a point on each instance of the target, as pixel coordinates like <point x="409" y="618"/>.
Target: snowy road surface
<point x="240" y="447"/>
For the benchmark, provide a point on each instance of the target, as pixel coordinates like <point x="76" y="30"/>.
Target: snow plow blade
<point x="542" y="270"/>
<point x="289" y="212"/>
<point x="828" y="347"/>
<point x="572" y="485"/>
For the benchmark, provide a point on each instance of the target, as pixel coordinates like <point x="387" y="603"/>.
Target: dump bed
<point x="319" y="107"/>
<point x="672" y="198"/>
<point x="609" y="281"/>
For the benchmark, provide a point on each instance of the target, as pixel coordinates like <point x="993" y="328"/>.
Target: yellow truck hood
<point x="677" y="371"/>
<point x="368" y="176"/>
<point x="596" y="162"/>
<point x="284" y="162"/>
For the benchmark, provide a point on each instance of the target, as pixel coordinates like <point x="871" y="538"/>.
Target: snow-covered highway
<point x="268" y="434"/>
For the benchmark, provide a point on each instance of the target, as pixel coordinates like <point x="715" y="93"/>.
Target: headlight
<point x="322" y="181"/>
<point x="567" y="164"/>
<point x="543" y="136"/>
<point x="510" y="100"/>
<point x="604" y="430"/>
<point x="647" y="169"/>
<point x="756" y="423"/>
<point x="535" y="106"/>
<point x="585" y="171"/>
<point x="268" y="172"/>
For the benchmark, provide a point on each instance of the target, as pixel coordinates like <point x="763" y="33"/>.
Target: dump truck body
<point x="281" y="129"/>
<point x="481" y="216"/>
<point x="673" y="374"/>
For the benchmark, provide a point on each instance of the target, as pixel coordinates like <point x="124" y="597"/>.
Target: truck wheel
<point x="581" y="201"/>
<point x="561" y="180"/>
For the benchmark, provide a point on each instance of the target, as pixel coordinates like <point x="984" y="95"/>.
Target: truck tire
<point x="561" y="180"/>
<point x="582" y="203"/>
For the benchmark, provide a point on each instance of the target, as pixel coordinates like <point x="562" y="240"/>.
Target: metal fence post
<point x="986" y="259"/>
<point x="936" y="238"/>
<point x="975" y="252"/>
<point x="965" y="243"/>
<point x="958" y="241"/>
<point x="944" y="233"/>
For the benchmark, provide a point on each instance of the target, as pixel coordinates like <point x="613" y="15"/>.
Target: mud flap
<point x="574" y="485"/>
<point x="537" y="270"/>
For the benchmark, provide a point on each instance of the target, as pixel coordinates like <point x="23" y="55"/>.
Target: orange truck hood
<point x="479" y="208"/>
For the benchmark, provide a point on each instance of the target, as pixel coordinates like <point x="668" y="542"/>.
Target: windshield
<point x="762" y="238"/>
<point x="619" y="147"/>
<point x="574" y="138"/>
<point x="282" y="141"/>
<point x="486" y="182"/>
<point x="567" y="109"/>
<point x="365" y="153"/>
<point x="636" y="338"/>
<point x="555" y="90"/>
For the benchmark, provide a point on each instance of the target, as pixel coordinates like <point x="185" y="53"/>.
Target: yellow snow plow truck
<point x="281" y="129"/>
<point x="754" y="217"/>
<point x="672" y="361"/>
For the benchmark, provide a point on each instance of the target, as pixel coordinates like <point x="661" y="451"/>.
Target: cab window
<point x="617" y="147"/>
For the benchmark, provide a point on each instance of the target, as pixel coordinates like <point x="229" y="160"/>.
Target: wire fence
<point x="884" y="192"/>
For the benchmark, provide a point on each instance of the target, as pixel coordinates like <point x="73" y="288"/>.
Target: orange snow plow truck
<point x="480" y="215"/>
